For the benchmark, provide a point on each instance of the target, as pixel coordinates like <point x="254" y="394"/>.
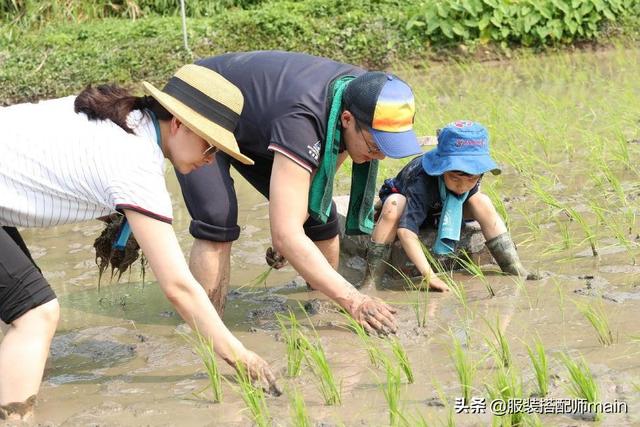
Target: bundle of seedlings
<point x="107" y="252"/>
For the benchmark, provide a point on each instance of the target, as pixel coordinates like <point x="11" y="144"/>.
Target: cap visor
<point x="209" y="131"/>
<point x="434" y="164"/>
<point x="397" y="144"/>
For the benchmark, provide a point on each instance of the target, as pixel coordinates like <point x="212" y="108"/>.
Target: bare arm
<point x="411" y="244"/>
<point x="160" y="246"/>
<point x="287" y="213"/>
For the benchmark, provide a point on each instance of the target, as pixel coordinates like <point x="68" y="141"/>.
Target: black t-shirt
<point x="285" y="101"/>
<point x="422" y="194"/>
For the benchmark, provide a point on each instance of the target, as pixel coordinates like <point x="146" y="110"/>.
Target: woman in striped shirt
<point x="80" y="158"/>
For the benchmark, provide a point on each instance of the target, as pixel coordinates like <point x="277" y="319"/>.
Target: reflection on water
<point x="119" y="358"/>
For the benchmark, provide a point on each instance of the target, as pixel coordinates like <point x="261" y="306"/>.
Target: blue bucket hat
<point x="462" y="146"/>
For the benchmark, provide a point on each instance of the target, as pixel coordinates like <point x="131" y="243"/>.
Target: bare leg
<point x="330" y="248"/>
<point x="385" y="230"/>
<point x="480" y="208"/>
<point x="23" y="354"/>
<point x="210" y="263"/>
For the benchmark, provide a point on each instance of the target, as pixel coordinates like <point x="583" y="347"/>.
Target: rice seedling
<point x="420" y="302"/>
<point x="475" y="270"/>
<point x="299" y="414"/>
<point x="260" y="279"/>
<point x="614" y="182"/>
<point x="317" y="360"/>
<point x="291" y="336"/>
<point x="465" y="368"/>
<point x="457" y="289"/>
<point x="582" y="384"/>
<point x="497" y="201"/>
<point x="589" y="233"/>
<point x="599" y="320"/>
<point x="253" y="397"/>
<point x="507" y="387"/>
<point x="391" y="390"/>
<point x="540" y="367"/>
<point x="402" y="358"/>
<point x="374" y="353"/>
<point x="204" y="349"/>
<point x="499" y="346"/>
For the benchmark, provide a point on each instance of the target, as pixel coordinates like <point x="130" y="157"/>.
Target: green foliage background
<point x="55" y="47"/>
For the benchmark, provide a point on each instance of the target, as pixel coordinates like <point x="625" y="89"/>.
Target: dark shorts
<point x="210" y="197"/>
<point x="22" y="286"/>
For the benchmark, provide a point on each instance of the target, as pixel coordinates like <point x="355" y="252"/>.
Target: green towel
<point x="363" y="176"/>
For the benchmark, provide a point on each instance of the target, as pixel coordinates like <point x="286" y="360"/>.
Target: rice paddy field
<point x="566" y="130"/>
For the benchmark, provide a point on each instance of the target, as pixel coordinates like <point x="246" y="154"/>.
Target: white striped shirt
<point x="59" y="167"/>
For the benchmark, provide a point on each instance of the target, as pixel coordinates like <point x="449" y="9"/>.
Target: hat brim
<point x="397" y="144"/>
<point x="209" y="131"/>
<point x="434" y="164"/>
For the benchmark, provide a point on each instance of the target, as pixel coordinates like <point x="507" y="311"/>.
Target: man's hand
<point x="259" y="372"/>
<point x="374" y="315"/>
<point x="275" y="259"/>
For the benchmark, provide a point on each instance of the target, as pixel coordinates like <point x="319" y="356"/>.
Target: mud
<point x="119" y="357"/>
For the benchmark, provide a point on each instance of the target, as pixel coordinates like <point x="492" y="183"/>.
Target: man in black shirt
<point x="283" y="127"/>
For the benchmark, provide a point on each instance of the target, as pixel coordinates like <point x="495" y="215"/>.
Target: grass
<point x="540" y="366"/>
<point x="299" y="413"/>
<point x="465" y="368"/>
<point x="204" y="349"/>
<point x="582" y="384"/>
<point x="402" y="358"/>
<point x="293" y="343"/>
<point x="253" y="397"/>
<point x="598" y="318"/>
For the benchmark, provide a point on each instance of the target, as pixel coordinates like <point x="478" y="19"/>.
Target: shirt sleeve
<point x="417" y="208"/>
<point x="297" y="136"/>
<point x="140" y="186"/>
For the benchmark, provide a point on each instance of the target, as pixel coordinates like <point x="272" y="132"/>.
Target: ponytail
<point x="110" y="102"/>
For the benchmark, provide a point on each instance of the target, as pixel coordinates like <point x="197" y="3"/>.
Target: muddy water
<point x="118" y="357"/>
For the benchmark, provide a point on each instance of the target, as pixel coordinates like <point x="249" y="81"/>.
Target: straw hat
<point x="207" y="103"/>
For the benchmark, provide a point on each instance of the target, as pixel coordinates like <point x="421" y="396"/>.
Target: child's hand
<point x="435" y="284"/>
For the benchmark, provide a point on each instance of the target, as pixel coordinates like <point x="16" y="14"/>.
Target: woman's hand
<point x="275" y="259"/>
<point x="258" y="370"/>
<point x="374" y="315"/>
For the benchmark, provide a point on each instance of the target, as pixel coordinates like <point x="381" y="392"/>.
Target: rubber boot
<point x="504" y="252"/>
<point x="377" y="256"/>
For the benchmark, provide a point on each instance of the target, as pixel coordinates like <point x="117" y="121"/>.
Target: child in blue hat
<point x="439" y="189"/>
